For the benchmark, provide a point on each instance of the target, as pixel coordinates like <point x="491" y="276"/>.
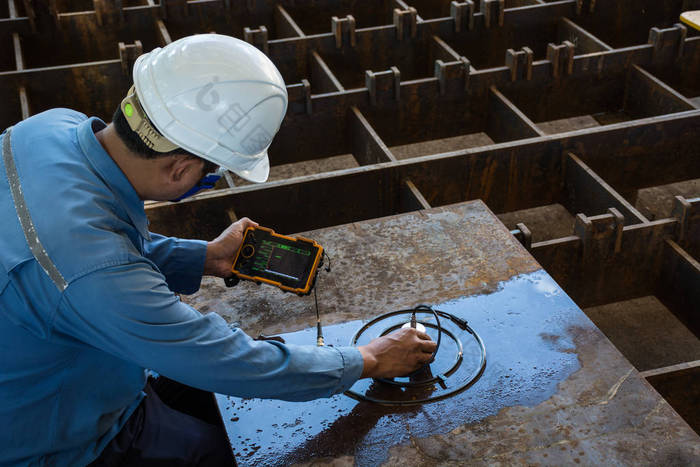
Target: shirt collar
<point x="112" y="174"/>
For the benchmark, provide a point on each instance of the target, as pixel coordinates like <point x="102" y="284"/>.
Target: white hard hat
<point x="215" y="96"/>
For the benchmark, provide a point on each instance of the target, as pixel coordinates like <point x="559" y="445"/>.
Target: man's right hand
<point x="396" y="354"/>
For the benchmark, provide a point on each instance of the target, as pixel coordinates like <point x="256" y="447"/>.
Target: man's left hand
<point x="222" y="250"/>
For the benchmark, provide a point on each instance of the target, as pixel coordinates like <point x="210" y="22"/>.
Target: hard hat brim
<point x="258" y="173"/>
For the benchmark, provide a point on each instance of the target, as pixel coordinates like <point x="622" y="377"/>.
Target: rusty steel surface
<point x="554" y="391"/>
<point x="443" y="266"/>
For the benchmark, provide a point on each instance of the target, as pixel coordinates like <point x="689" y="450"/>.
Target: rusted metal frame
<point x="634" y="17"/>
<point x="406" y="23"/>
<point x="383" y="85"/>
<point x="43" y="16"/>
<point x="444" y="51"/>
<point x="342" y="29"/>
<point x="585" y="41"/>
<point x="604" y="93"/>
<point x="128" y="53"/>
<point x="583" y="64"/>
<point x="299" y="96"/>
<point x="594" y="228"/>
<point x="323" y="78"/>
<point x="453" y="76"/>
<point x="367" y="147"/>
<point x="667" y="43"/>
<point x="536" y="13"/>
<point x="319" y="132"/>
<point x="47" y="86"/>
<point x="19" y="25"/>
<point x="665" y="142"/>
<point x="24" y="102"/>
<point x="670" y="370"/>
<point x="519" y="63"/>
<point x="561" y="57"/>
<point x="285" y="24"/>
<point x="526" y="17"/>
<point x="259" y="37"/>
<point x="518" y="175"/>
<point x="76" y="43"/>
<point x="411" y="197"/>
<point x="680" y="387"/>
<point x="19" y="59"/>
<point x="19" y="63"/>
<point x="451" y="70"/>
<point x="679" y="284"/>
<point x="655" y="96"/>
<point x="506" y="121"/>
<point x="687" y="211"/>
<point x="320" y="200"/>
<point x="646" y="96"/>
<point x="173" y="9"/>
<point x="462" y="14"/>
<point x="523" y="235"/>
<point x="162" y="32"/>
<point x="589" y="194"/>
<point x="647" y="161"/>
<point x="109" y="12"/>
<point x="601" y="275"/>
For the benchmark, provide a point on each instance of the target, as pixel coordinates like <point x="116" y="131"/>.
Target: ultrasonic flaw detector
<point x="289" y="263"/>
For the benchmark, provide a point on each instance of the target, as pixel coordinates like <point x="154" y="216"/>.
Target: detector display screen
<point x="283" y="260"/>
<point x="287" y="262"/>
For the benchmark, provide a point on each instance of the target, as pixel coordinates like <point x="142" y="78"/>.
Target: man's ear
<point x="180" y="166"/>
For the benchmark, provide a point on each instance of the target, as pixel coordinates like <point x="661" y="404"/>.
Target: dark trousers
<point x="157" y="434"/>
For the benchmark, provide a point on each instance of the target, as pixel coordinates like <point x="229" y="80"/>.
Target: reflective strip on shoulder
<point x="25" y="219"/>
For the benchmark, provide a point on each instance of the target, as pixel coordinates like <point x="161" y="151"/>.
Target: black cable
<point x="319" y="331"/>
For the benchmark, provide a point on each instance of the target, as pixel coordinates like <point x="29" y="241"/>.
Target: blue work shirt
<point x="77" y="332"/>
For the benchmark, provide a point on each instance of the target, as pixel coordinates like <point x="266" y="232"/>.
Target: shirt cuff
<point x="189" y="256"/>
<point x="353" y="366"/>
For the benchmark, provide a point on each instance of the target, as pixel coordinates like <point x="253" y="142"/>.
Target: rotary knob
<point x="248" y="251"/>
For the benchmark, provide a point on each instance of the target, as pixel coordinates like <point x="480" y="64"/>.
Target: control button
<point x="248" y="251"/>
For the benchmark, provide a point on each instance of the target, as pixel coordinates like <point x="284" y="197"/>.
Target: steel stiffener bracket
<point x="668" y="43"/>
<point x="687" y="211"/>
<point x="600" y="235"/>
<point x="523" y="235"/>
<point x="257" y="37"/>
<point x="520" y="63"/>
<point x="406" y="23"/>
<point x="343" y="27"/>
<point x="562" y="58"/>
<point x="453" y="76"/>
<point x="463" y="15"/>
<point x="493" y="11"/>
<point x="174" y="9"/>
<point x="383" y="85"/>
<point x="128" y="55"/>
<point x="108" y="12"/>
<point x="585" y="5"/>
<point x="300" y="97"/>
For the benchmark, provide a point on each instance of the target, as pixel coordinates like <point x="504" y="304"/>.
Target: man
<point x="87" y="294"/>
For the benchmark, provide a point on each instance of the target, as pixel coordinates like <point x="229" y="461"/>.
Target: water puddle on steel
<point x="524" y="326"/>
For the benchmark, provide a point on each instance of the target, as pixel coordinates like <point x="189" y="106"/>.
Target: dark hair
<point x="135" y="145"/>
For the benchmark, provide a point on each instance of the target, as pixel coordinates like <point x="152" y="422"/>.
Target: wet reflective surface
<point x="528" y="325"/>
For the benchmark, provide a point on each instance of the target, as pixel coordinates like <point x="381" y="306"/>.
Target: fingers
<point x="427" y="346"/>
<point x="424" y="343"/>
<point x="245" y="223"/>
